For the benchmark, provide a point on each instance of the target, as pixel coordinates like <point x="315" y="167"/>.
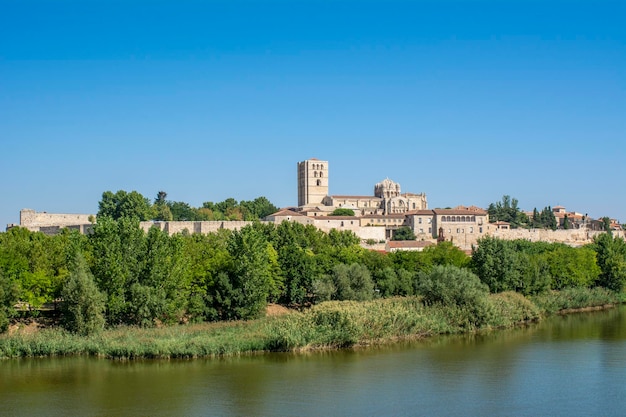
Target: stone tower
<point x="312" y="181"/>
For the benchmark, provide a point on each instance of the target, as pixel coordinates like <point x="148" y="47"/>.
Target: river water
<point x="565" y="366"/>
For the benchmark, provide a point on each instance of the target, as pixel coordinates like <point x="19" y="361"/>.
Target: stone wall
<point x="192" y="227"/>
<point x="572" y="237"/>
<point x="31" y="218"/>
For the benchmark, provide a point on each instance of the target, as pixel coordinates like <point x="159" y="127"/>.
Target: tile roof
<point x="457" y="212"/>
<point x="286" y="212"/>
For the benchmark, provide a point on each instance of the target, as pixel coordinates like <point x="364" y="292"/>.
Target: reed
<point x="325" y="326"/>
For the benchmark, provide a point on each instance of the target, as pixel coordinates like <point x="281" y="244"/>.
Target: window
<point x="471" y="230"/>
<point x="458" y="230"/>
<point x="430" y="221"/>
<point x="419" y="220"/>
<point x="321" y="174"/>
<point x="421" y="230"/>
<point x="315" y="174"/>
<point x="430" y="230"/>
<point x="480" y="230"/>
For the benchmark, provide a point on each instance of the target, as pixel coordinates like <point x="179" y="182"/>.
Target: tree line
<point x="508" y="210"/>
<point x="120" y="274"/>
<point x="133" y="204"/>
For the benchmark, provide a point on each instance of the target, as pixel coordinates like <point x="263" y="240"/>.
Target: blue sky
<point x="464" y="100"/>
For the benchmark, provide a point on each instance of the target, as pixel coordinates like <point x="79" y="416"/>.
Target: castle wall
<point x="573" y="237"/>
<point x="33" y="219"/>
<point x="194" y="227"/>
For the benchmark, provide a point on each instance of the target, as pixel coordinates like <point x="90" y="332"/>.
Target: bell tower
<point x="312" y="181"/>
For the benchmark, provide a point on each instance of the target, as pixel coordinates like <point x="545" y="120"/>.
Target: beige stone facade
<point x="312" y="182"/>
<point x="375" y="220"/>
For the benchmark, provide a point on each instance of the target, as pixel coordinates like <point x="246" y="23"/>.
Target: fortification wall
<point x="32" y="219"/>
<point x="195" y="227"/>
<point x="573" y="237"/>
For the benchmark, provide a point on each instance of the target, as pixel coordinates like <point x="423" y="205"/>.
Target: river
<point x="573" y="365"/>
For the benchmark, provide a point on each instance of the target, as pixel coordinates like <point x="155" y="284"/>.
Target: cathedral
<point x="314" y="199"/>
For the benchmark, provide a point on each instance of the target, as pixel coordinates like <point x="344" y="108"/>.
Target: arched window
<point x="315" y="174"/>
<point x="322" y="166"/>
<point x="319" y="182"/>
<point x="321" y="174"/>
<point x="458" y="218"/>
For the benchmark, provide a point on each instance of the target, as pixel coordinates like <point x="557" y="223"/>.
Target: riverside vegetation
<point x="125" y="293"/>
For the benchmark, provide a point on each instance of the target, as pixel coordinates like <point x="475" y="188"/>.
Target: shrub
<point x="83" y="307"/>
<point x="460" y="290"/>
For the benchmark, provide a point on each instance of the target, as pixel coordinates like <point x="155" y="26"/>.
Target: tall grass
<point x="575" y="298"/>
<point x="325" y="326"/>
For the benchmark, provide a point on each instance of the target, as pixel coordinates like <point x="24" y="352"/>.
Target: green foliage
<point x="459" y="289"/>
<point x="8" y="298"/>
<point x="574" y="298"/>
<point x="251" y="274"/>
<point x="507" y="210"/>
<point x="123" y="204"/>
<point x="544" y="219"/>
<point x="572" y="267"/>
<point x="83" y="303"/>
<point x="346" y="282"/>
<point x="450" y="285"/>
<point x="118" y="247"/>
<point x="230" y="209"/>
<point x="403" y="233"/>
<point x="532" y="267"/>
<point x="445" y="253"/>
<point x="35" y="263"/>
<point x="611" y="258"/>
<point x="342" y="212"/>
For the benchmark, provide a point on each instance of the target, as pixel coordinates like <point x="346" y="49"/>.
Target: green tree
<point x="8" y="297"/>
<point x="507" y="210"/>
<point x="250" y="276"/>
<point x="571" y="267"/>
<point x="182" y="211"/>
<point x="497" y="264"/>
<point x="162" y="211"/>
<point x="124" y="204"/>
<point x="206" y="256"/>
<point x="346" y="282"/>
<point x="446" y="253"/>
<point x="453" y="286"/>
<point x="118" y="250"/>
<point x="403" y="233"/>
<point x="342" y="212"/>
<point x="83" y="303"/>
<point x="566" y="223"/>
<point x="258" y="208"/>
<point x="611" y="258"/>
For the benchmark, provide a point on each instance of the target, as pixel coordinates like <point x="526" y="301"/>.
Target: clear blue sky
<point x="463" y="100"/>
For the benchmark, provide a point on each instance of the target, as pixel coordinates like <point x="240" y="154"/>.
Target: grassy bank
<point x="328" y="325"/>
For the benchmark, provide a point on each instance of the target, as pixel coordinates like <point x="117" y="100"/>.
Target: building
<point x="312" y="182"/>
<point x="313" y="196"/>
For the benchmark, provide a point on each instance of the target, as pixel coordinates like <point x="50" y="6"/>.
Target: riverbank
<point x="328" y="325"/>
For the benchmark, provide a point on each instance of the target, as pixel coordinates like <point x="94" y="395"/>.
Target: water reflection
<point x="570" y="365"/>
